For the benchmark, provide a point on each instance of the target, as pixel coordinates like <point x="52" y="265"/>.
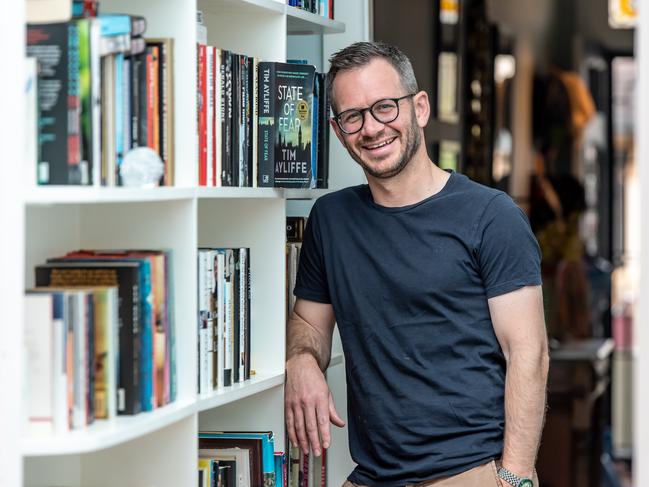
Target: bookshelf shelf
<point x="108" y="433"/>
<point x="215" y="193"/>
<point x="258" y="383"/>
<point x="50" y="195"/>
<point x="305" y="194"/>
<point x="301" y="22"/>
<point x="244" y="6"/>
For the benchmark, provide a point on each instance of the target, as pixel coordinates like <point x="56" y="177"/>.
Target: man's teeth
<point x="386" y="142"/>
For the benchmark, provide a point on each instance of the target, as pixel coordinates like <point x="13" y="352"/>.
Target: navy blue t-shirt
<point x="409" y="288"/>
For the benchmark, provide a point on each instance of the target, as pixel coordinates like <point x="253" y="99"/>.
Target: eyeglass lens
<point x="383" y="111"/>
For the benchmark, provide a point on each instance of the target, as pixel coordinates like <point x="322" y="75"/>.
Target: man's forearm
<point x="303" y="338"/>
<point x="525" y="395"/>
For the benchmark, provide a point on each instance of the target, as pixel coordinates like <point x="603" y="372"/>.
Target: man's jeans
<point x="483" y="476"/>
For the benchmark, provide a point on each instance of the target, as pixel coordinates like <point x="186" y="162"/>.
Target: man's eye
<point x="352" y="117"/>
<point x="384" y="107"/>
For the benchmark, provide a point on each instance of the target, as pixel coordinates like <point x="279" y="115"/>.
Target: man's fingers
<point x="333" y="414"/>
<point x="322" y="416"/>
<point x="311" y="430"/>
<point x="290" y="426"/>
<point x="300" y="432"/>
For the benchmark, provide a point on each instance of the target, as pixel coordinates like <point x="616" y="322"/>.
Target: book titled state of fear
<point x="286" y="126"/>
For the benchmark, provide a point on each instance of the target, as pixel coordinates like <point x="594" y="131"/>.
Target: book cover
<point x="56" y="46"/>
<point x="286" y="92"/>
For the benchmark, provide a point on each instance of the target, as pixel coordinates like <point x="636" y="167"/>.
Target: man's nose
<point x="371" y="125"/>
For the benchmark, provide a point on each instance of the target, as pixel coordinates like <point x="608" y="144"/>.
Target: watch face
<point x="526" y="483"/>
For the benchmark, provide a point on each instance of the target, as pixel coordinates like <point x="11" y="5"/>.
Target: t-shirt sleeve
<point x="507" y="252"/>
<point x="311" y="279"/>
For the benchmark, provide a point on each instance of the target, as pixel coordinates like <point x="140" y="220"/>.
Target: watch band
<point x="513" y="479"/>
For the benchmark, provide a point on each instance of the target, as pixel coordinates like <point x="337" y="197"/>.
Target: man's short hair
<point x="361" y="54"/>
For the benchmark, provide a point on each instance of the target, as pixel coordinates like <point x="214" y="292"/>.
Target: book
<point x="165" y="49"/>
<point x="286" y="124"/>
<point x="31" y="120"/>
<point x="40" y="367"/>
<point x="263" y="438"/>
<point x="48" y="11"/>
<point x="56" y="46"/>
<point x="126" y="276"/>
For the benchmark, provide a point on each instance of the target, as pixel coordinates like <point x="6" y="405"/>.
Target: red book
<point x="202" y="115"/>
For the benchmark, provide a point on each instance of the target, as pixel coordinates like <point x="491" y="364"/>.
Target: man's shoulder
<point x="478" y="195"/>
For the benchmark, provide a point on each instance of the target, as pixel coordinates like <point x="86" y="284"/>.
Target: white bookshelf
<point x="157" y="448"/>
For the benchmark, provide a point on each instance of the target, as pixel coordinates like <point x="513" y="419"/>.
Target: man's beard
<point x="412" y="142"/>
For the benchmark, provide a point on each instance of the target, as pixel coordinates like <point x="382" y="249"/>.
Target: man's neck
<point x="420" y="179"/>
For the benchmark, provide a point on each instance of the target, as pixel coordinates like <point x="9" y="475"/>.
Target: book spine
<point x="236" y="115"/>
<point x="266" y="125"/>
<point x="209" y="114"/>
<point x="227" y="122"/>
<point x="236" y="322"/>
<point x="166" y="119"/>
<point x="255" y="122"/>
<point x="220" y="331"/>
<point x="49" y="45"/>
<point x="218" y="115"/>
<point x="119" y="113"/>
<point x="77" y="172"/>
<point x="214" y="115"/>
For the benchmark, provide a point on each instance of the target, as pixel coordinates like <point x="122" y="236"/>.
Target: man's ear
<point x="421" y="103"/>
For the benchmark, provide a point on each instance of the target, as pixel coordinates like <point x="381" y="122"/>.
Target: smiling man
<point x="434" y="282"/>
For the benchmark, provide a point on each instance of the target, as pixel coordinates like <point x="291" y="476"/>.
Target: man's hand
<point x="308" y="404"/>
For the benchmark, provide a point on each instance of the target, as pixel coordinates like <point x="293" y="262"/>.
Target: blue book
<point x="314" y="132"/>
<point x="115" y="24"/>
<point x="280" y="460"/>
<point x="268" y="449"/>
<point x="119" y="110"/>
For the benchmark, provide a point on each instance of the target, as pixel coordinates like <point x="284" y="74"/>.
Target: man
<point x="434" y="283"/>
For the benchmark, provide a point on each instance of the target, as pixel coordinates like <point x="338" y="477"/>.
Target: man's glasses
<point x="384" y="111"/>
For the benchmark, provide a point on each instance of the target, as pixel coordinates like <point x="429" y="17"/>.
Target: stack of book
<point x="227" y="129"/>
<point x="307" y="470"/>
<point x="325" y="8"/>
<point x="100" y="337"/>
<point x="102" y="90"/>
<point x="223" y="318"/>
<point x="241" y="459"/>
<point x="260" y="124"/>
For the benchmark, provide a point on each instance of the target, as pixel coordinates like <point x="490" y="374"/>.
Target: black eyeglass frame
<point x="369" y="109"/>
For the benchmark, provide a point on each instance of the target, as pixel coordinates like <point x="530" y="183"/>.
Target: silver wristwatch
<point x="513" y="479"/>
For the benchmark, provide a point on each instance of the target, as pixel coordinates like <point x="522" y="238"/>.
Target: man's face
<point x="382" y="149"/>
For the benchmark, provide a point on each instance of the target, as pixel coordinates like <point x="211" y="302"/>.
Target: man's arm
<point x="308" y="402"/>
<point x="520" y="328"/>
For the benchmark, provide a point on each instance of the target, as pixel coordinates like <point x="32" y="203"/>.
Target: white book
<point x="228" y="334"/>
<point x="218" y="114"/>
<point x="202" y="322"/>
<point x="48" y="11"/>
<point x="209" y="286"/>
<point x="39" y="363"/>
<point x="95" y="94"/>
<point x="241" y="353"/>
<point x="80" y="350"/>
<point x="209" y="65"/>
<point x="220" y="328"/>
<point x="31" y="121"/>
